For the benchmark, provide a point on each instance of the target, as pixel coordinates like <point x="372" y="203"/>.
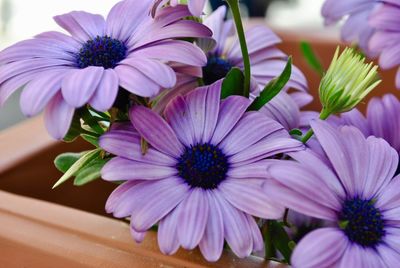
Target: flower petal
<point x="173" y="50"/>
<point x="78" y="86"/>
<point x="127" y="145"/>
<point x="58" y="117"/>
<point x="126" y="16"/>
<point x="179" y="118"/>
<point x="82" y="25"/>
<point x="106" y="92"/>
<point x="258" y="241"/>
<point x="157" y="71"/>
<point x="231" y="110"/>
<point x="192" y="218"/>
<point x="155" y="130"/>
<point x="136" y="82"/>
<point x="154" y="200"/>
<point x="320" y="248"/>
<point x="299" y="202"/>
<point x="39" y="92"/>
<point x="212" y="243"/>
<point x="251" y="128"/>
<point x="121" y="169"/>
<point x="236" y="228"/>
<point x="196" y="7"/>
<point x="167" y="233"/>
<point x="250" y="198"/>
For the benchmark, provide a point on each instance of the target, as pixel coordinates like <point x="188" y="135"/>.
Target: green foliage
<point x="233" y="83"/>
<point x="311" y="58"/>
<point x="281" y="240"/>
<point x="272" y="88"/>
<point x="63" y="162"/>
<point x="90" y="172"/>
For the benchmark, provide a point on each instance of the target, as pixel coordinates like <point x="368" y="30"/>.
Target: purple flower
<point x="201" y="177"/>
<point x="128" y="49"/>
<point x="196" y="7"/>
<point x="356" y="12"/>
<point x="267" y="62"/>
<point x="355" y="190"/>
<point x="382" y="119"/>
<point x="385" y="41"/>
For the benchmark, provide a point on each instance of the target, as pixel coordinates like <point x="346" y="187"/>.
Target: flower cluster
<point x="200" y="124"/>
<point x="373" y="24"/>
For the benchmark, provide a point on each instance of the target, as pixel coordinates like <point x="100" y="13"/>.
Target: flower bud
<point x="348" y="80"/>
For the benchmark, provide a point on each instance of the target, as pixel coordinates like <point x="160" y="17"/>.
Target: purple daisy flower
<point x="129" y="49"/>
<point x="355" y="190"/>
<point x="196" y="7"/>
<point x="385" y="41"/>
<point x="202" y="173"/>
<point x="356" y="12"/>
<point x="267" y="61"/>
<point x="382" y="119"/>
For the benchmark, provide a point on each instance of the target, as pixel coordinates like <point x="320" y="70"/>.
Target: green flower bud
<point x="348" y="80"/>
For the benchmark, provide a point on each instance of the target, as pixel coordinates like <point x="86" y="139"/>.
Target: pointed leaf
<point x="64" y="161"/>
<point x="78" y="165"/>
<point x="91" y="139"/>
<point x="272" y="88"/>
<point x="90" y="172"/>
<point x="233" y="83"/>
<point x="311" y="58"/>
<point x="281" y="240"/>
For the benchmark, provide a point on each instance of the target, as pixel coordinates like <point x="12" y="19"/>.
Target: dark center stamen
<point x="203" y="165"/>
<point x="362" y="222"/>
<point x="101" y="51"/>
<point x="215" y="69"/>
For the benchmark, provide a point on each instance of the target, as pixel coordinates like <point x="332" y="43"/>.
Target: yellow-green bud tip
<point x="348" y="80"/>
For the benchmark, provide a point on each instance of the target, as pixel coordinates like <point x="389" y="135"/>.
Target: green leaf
<point x="92" y="121"/>
<point x="91" y="139"/>
<point x="296" y="132"/>
<point x="233" y="83"/>
<point x="90" y="172"/>
<point x="311" y="58"/>
<point x="63" y="162"/>
<point x="273" y="88"/>
<point x="78" y="165"/>
<point x="74" y="130"/>
<point x="281" y="240"/>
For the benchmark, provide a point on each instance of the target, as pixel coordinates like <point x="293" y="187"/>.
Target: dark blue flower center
<point x="215" y="69"/>
<point x="362" y="222"/>
<point x="203" y="165"/>
<point x="101" y="51"/>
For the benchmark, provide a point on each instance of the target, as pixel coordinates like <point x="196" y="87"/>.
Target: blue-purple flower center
<point x="362" y="222"/>
<point x="203" y="165"/>
<point x="102" y="51"/>
<point x="215" y="69"/>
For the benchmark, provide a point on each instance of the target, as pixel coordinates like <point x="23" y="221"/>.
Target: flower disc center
<point x="203" y="165"/>
<point x="101" y="51"/>
<point x="362" y="222"/>
<point x="215" y="69"/>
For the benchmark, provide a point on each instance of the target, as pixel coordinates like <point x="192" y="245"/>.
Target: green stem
<point x="269" y="246"/>
<point x="323" y="115"/>
<point x="234" y="5"/>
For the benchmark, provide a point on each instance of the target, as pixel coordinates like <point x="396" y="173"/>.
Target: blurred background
<point x="22" y="19"/>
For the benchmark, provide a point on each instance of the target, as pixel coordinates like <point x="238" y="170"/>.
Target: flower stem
<point x="323" y="115"/>
<point x="234" y="5"/>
